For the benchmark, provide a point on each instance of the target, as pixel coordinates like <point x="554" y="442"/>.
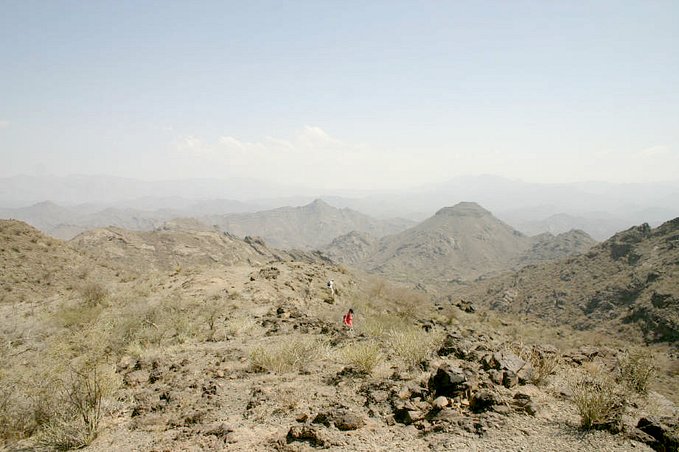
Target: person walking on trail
<point x="331" y="287"/>
<point x="348" y="319"/>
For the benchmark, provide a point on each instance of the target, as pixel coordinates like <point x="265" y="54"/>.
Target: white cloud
<point x="655" y="151"/>
<point x="311" y="157"/>
<point x="4" y="124"/>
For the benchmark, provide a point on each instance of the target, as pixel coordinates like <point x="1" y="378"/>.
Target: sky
<point x="341" y="94"/>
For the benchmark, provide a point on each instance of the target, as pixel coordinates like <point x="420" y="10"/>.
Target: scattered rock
<point x="484" y="400"/>
<point x="448" y="381"/>
<point x="220" y="430"/>
<point x="440" y="402"/>
<point x="342" y="419"/>
<point x="406" y="416"/>
<point x="306" y="433"/>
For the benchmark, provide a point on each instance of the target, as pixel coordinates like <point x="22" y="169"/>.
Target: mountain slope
<point x="35" y="267"/>
<point x="179" y="243"/>
<point x="627" y="283"/>
<point x="310" y="226"/>
<point x="459" y="242"/>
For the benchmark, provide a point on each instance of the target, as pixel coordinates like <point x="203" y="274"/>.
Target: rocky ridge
<point x="305" y="227"/>
<point x="626" y="284"/>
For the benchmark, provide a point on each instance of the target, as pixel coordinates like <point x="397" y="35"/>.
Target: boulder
<point x="484" y="400"/>
<point x="407" y="417"/>
<point x="448" y="381"/>
<point x="665" y="435"/>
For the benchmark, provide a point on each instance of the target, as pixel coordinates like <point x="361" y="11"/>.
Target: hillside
<point x="459" y="243"/>
<point x="178" y="244"/>
<point x="352" y="248"/>
<point x="67" y="222"/>
<point x="35" y="266"/>
<point x="212" y="357"/>
<point x="625" y="285"/>
<point x="305" y="227"/>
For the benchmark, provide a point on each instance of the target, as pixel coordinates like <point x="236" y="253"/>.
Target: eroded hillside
<point x="625" y="285"/>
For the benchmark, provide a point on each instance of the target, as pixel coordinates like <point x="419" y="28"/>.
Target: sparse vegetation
<point x="636" y="370"/>
<point x="291" y="355"/>
<point x="413" y="345"/>
<point x="74" y="418"/>
<point x="362" y="356"/>
<point x="598" y="399"/>
<point x="544" y="363"/>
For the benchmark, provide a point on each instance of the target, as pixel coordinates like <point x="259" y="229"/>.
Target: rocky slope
<point x="627" y="283"/>
<point x="247" y="353"/>
<point x="35" y="266"/>
<point x="177" y="244"/>
<point x="304" y="227"/>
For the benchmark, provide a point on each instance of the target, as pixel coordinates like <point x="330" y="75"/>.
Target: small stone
<point x="306" y="433"/>
<point x="531" y="408"/>
<point x="348" y="421"/>
<point x="502" y="409"/>
<point x="440" y="402"/>
<point x="509" y="379"/>
<point x="407" y="417"/>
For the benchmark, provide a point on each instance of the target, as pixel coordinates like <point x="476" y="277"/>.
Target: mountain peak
<point x="318" y="204"/>
<point x="469" y="209"/>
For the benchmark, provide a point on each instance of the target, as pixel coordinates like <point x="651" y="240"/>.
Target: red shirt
<point x="348" y="319"/>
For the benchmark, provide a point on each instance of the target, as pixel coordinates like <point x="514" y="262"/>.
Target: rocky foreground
<point x="251" y="355"/>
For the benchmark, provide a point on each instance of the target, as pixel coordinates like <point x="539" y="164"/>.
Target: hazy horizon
<point x="341" y="96"/>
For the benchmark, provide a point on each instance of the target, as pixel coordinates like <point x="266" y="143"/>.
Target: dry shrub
<point x="380" y="326"/>
<point x="363" y="356"/>
<point x="636" y="369"/>
<point x="93" y="293"/>
<point x="544" y="363"/>
<point x="239" y="325"/>
<point x="598" y="399"/>
<point x="77" y="410"/>
<point x="413" y="345"/>
<point x="287" y="356"/>
<point x="78" y="315"/>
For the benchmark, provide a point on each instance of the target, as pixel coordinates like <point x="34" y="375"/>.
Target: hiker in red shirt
<point x="348" y="318"/>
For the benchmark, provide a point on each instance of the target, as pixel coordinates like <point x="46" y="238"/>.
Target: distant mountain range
<point x="457" y="244"/>
<point x="310" y="226"/>
<point x="600" y="209"/>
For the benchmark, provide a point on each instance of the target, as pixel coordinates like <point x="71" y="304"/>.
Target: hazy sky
<point x="346" y="94"/>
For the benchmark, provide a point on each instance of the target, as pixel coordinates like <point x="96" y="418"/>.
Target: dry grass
<point x="636" y="369"/>
<point x="544" y="364"/>
<point x="413" y="345"/>
<point x="599" y="400"/>
<point x="362" y="356"/>
<point x="77" y="408"/>
<point x="291" y="355"/>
